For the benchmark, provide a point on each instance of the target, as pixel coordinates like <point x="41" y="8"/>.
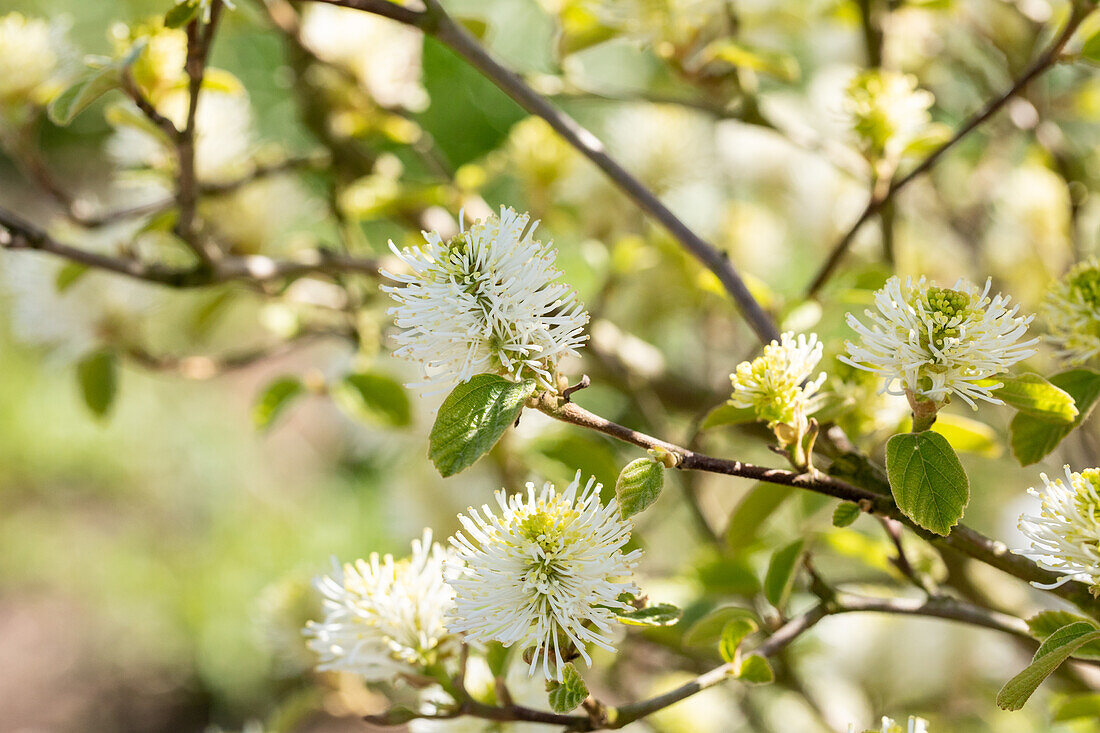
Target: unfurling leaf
<point x="97" y="374"/>
<point x="927" y="480"/>
<point x="733" y="633"/>
<point x="566" y="695"/>
<point x="755" y="670"/>
<point x="845" y="514"/>
<point x="472" y="419"/>
<point x="374" y="397"/>
<point x="274" y="399"/>
<point x="1033" y="437"/>
<point x="638" y="486"/>
<point x="708" y="630"/>
<point x="660" y="614"/>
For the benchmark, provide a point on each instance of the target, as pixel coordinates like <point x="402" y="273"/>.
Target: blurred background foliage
<point x="154" y="563"/>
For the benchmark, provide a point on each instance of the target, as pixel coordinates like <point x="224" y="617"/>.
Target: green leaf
<point x="182" y="14"/>
<point x="74" y="100"/>
<point x="566" y="695"/>
<point x="927" y="480"/>
<point x="97" y="374"/>
<point x="781" y="572"/>
<point x="1090" y="50"/>
<point x="274" y="399"/>
<point x="374" y="397"/>
<point x="755" y="670"/>
<point x="1056" y="649"/>
<point x="968" y="436"/>
<point x="472" y="419"/>
<point x="846" y="513"/>
<point x="67" y="276"/>
<point x="728" y="576"/>
<point x="708" y="630"/>
<point x="727" y="414"/>
<point x="1033" y="438"/>
<point x="660" y="614"/>
<point x="1045" y="623"/>
<point x="759" y="503"/>
<point x="733" y="633"/>
<point x="496" y="656"/>
<point x="397" y="715"/>
<point x="638" y="486"/>
<point x="1035" y="395"/>
<point x="1084" y="705"/>
<point x="774" y="63"/>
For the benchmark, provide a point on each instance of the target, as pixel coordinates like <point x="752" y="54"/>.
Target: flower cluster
<point x="547" y="573"/>
<point x="887" y="111"/>
<point x="1071" y="311"/>
<point x="778" y="384"/>
<point x="1065" y="535"/>
<point x="29" y="60"/>
<point x="385" y="618"/>
<point x="935" y="342"/>
<point x="485" y="301"/>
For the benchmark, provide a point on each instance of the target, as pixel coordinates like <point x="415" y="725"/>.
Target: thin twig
<point x="1047" y="59"/>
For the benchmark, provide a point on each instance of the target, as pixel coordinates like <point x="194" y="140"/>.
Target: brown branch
<point x="17" y="234"/>
<point x="1046" y="60"/>
<point x="437" y="23"/>
<point x="877" y="501"/>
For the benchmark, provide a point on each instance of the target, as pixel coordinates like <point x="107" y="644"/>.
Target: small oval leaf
<point x="567" y="695"/>
<point x="660" y="614"/>
<point x="781" y="573"/>
<point x="733" y="633"/>
<point x="755" y="670"/>
<point x="376" y="398"/>
<point x="472" y="419"/>
<point x="1032" y="438"/>
<point x="638" y="486"/>
<point x="845" y="514"/>
<point x="97" y="374"/>
<point x="274" y="399"/>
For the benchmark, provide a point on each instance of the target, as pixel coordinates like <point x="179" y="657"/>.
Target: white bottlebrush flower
<point x="889" y="725"/>
<point x="487" y="300"/>
<point x="382" y="53"/>
<point x="385" y="617"/>
<point x="546" y="572"/>
<point x="1071" y="312"/>
<point x="224" y="138"/>
<point x="1065" y="535"/>
<point x="778" y="384"/>
<point x="886" y="110"/>
<point x="28" y="60"/>
<point x="935" y="342"/>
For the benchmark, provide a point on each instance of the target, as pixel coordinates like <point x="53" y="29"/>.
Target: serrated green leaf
<point x="566" y="695"/>
<point x="374" y="397"/>
<point x="727" y="414"/>
<point x="927" y="480"/>
<point x="845" y="514"/>
<point x="708" y="630"/>
<point x="755" y="670"/>
<point x="733" y="633"/>
<point x="781" y="572"/>
<point x="660" y="614"/>
<point x="1084" y="705"/>
<point x="97" y="374"/>
<point x="274" y="399"/>
<point x="67" y="276"/>
<point x="1045" y="623"/>
<point x="759" y="503"/>
<point x="1057" y="648"/>
<point x="638" y="486"/>
<point x="472" y="419"/>
<point x="1035" y="395"/>
<point x="182" y="14"/>
<point x="75" y="99"/>
<point x="1032" y="438"/>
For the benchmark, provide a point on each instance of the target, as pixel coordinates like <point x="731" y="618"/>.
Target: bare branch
<point x="1046" y="60"/>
